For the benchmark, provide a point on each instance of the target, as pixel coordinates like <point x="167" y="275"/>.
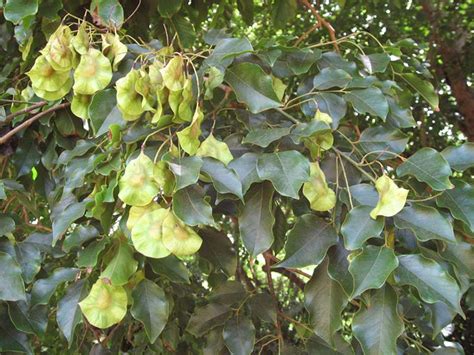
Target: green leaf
<point x="69" y="314"/>
<point x="252" y="86"/>
<point x="229" y="292"/>
<point x="13" y="288"/>
<point x="121" y="267"/>
<point x="263" y="306"/>
<point x="64" y="213"/>
<point x="150" y="307"/>
<point x="338" y="268"/>
<point x="391" y="198"/>
<point x="186" y="170"/>
<point x="329" y="77"/>
<point x="422" y="87"/>
<point x="105" y="305"/>
<point x="32" y="320"/>
<point x="207" y="317"/>
<point x="103" y="112"/>
<point x="170" y="267"/>
<point x="316" y="345"/>
<point x="286" y="170"/>
<point x="426" y="222"/>
<point x="256" y="220"/>
<point x="184" y="29"/>
<point x="213" y="148"/>
<point x="358" y="227"/>
<point x="89" y="255"/>
<point x="317" y="191"/>
<point x="283" y="11"/>
<point x="190" y="206"/>
<point x="433" y="283"/>
<point x="246" y="168"/>
<point x="7" y="225"/>
<point x="371" y="101"/>
<point x="375" y="63"/>
<point x="43" y="289"/>
<point x="110" y="12"/>
<point x="80" y="235"/>
<point x="383" y="139"/>
<point x="325" y="300"/>
<point x="460" y="158"/>
<point x="12" y="339"/>
<point x="308" y="242"/>
<point x="378" y="325"/>
<point x="226" y="50"/>
<point x="293" y="61"/>
<point x="460" y="254"/>
<point x="169" y="8"/>
<point x="371" y="267"/>
<point x="17" y="10"/>
<point x="399" y="117"/>
<point x="239" y="335"/>
<point x="263" y="137"/>
<point x="309" y="129"/>
<point x="460" y="202"/>
<point x="429" y="166"/>
<point x="225" y="180"/>
<point x="218" y="250"/>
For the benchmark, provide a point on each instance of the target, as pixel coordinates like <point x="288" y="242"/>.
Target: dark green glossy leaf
<point x="359" y="226"/>
<point x="13" y="288"/>
<point x="170" y="267"/>
<point x="206" y="318"/>
<point x="29" y="257"/>
<point x="103" y="112"/>
<point x="239" y="335"/>
<point x="371" y="267"/>
<point x="399" y="117"/>
<point x="460" y="254"/>
<point x="150" y="307"/>
<point x="263" y="306"/>
<point x="229" y="292"/>
<point x="80" y="235"/>
<point x="379" y="140"/>
<point x="169" y="8"/>
<point x="122" y="265"/>
<point x="224" y="179"/>
<point x="226" y="50"/>
<point x="263" y="137"/>
<point x="338" y="268"/>
<point x="308" y="242"/>
<point x="246" y="168"/>
<point x="429" y="166"/>
<point x="256" y="221"/>
<point x="330" y="77"/>
<point x="11" y="339"/>
<point x="377" y="326"/>
<point x="43" y="289"/>
<point x="324" y="299"/>
<point x="69" y="314"/>
<point x="88" y="256"/>
<point x="375" y="63"/>
<point x="186" y="170"/>
<point x="252" y="86"/>
<point x="371" y="101"/>
<point x="29" y="320"/>
<point x="110" y="12"/>
<point x="460" y="158"/>
<point x="218" y="249"/>
<point x="460" y="201"/>
<point x="426" y="222"/>
<point x="286" y="170"/>
<point x="433" y="283"/>
<point x="423" y="87"/>
<point x="190" y="206"/>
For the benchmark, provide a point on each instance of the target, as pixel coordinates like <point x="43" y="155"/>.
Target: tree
<point x="231" y="189"/>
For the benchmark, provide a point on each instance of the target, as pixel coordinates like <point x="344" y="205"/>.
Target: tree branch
<point x="30" y="121"/>
<point x="12" y="115"/>
<point x="321" y="23"/>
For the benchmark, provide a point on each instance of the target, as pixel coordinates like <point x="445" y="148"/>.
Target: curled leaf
<point x="213" y="148"/>
<point x="105" y="305"/>
<point x="189" y="137"/>
<point x="317" y="191"/>
<point x="113" y="49"/>
<point x="391" y="198"/>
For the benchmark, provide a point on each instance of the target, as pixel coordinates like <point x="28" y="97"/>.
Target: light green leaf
<point x="189" y="137"/>
<point x="325" y="300"/>
<point x="371" y="101"/>
<point x="460" y="158"/>
<point x="426" y="222"/>
<point x="239" y="335"/>
<point x="424" y="88"/>
<point x="252" y="86"/>
<point x="190" y="206"/>
<point x="429" y="166"/>
<point x="329" y="77"/>
<point x="286" y="170"/>
<point x="433" y="283"/>
<point x="121" y="267"/>
<point x="256" y="221"/>
<point x="391" y="198"/>
<point x="105" y="305"/>
<point x="150" y="307"/>
<point x="378" y="325"/>
<point x="308" y="242"/>
<point x="359" y="227"/>
<point x="213" y="148"/>
<point x="371" y="267"/>
<point x="317" y="191"/>
<point x="13" y="288"/>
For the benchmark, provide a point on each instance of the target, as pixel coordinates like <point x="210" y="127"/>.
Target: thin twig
<point x="30" y="121"/>
<point x="12" y="115"/>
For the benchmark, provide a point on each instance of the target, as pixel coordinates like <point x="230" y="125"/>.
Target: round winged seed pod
<point x="178" y="238"/>
<point x="137" y="185"/>
<point x="80" y="105"/>
<point x="54" y="95"/>
<point x="44" y="77"/>
<point x="129" y="101"/>
<point x="93" y="73"/>
<point x="58" y="51"/>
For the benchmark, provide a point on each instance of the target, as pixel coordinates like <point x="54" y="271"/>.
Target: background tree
<point x="236" y="176"/>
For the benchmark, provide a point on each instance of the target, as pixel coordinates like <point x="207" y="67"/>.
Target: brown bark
<point x="452" y="68"/>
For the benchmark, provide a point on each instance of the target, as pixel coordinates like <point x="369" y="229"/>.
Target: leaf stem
<point x="354" y="163"/>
